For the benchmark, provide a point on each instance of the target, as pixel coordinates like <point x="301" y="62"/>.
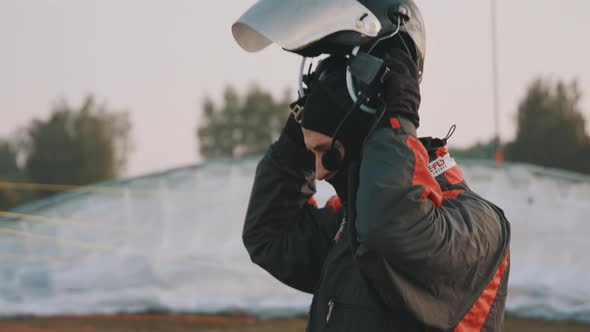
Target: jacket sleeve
<point x="284" y="232"/>
<point x="436" y="255"/>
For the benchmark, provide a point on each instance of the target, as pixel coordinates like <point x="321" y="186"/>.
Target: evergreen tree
<point x="550" y="128"/>
<point x="242" y="125"/>
<point x="77" y="146"/>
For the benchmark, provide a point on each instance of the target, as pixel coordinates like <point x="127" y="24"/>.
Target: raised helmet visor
<point x="295" y="24"/>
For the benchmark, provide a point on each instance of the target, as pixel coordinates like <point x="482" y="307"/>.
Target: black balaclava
<point x="329" y="102"/>
<point x="324" y="110"/>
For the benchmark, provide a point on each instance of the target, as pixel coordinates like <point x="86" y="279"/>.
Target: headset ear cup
<point x="331" y="160"/>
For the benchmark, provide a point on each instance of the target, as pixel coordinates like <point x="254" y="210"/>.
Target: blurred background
<point x="130" y="131"/>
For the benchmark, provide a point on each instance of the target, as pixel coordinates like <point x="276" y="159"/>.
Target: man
<point x="406" y="245"/>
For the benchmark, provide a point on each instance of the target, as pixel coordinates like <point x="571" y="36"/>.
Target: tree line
<point x="241" y="125"/>
<point x="90" y="143"/>
<point x="74" y="146"/>
<point x="551" y="129"/>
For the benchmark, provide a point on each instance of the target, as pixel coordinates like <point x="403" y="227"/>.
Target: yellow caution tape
<point x="111" y="249"/>
<point x="33" y="259"/>
<point x="62" y="187"/>
<point x="61" y="221"/>
<point x="79" y="244"/>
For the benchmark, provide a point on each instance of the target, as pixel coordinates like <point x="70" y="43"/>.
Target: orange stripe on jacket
<point x="476" y="317"/>
<point x="394" y="122"/>
<point x="422" y="176"/>
<point x="335" y="203"/>
<point x="454" y="175"/>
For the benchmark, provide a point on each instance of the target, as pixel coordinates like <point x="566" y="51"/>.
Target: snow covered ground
<point x="172" y="241"/>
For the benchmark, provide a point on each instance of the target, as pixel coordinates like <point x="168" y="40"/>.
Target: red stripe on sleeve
<point x="422" y="176"/>
<point x="335" y="203"/>
<point x="395" y="123"/>
<point x="476" y="317"/>
<point x="454" y="175"/>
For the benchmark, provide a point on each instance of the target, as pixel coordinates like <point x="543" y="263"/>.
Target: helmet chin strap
<point x="301" y="89"/>
<point x="352" y="91"/>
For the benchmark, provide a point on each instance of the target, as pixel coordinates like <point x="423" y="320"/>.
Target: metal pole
<point x="495" y="82"/>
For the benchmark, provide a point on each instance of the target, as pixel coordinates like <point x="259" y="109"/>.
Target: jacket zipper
<point x="330" y="311"/>
<point x="317" y="287"/>
<point x="340" y="229"/>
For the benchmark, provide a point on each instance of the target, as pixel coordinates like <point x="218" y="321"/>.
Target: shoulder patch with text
<point x="441" y="165"/>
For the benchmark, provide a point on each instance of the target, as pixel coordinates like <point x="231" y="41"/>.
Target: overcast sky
<point x="158" y="59"/>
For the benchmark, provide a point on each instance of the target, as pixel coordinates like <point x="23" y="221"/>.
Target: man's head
<point x="330" y="111"/>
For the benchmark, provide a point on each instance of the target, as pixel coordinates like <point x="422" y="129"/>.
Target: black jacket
<point x="417" y="250"/>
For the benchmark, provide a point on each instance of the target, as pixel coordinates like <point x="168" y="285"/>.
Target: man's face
<point x="319" y="143"/>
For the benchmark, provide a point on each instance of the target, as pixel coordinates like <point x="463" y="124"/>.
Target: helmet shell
<point x="387" y="12"/>
<point x="335" y="27"/>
